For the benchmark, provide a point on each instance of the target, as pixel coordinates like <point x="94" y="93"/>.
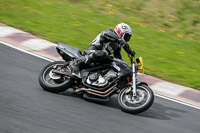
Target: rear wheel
<point x="136" y="104"/>
<point x="53" y="82"/>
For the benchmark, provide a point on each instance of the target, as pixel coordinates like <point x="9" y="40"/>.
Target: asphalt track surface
<point x="26" y="108"/>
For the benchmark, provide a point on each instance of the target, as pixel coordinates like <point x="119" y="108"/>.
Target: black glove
<point x="132" y="53"/>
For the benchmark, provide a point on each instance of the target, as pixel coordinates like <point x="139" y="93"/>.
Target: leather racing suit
<point x="105" y="44"/>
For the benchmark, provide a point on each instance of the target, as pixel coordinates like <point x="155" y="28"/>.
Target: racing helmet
<point x="124" y="31"/>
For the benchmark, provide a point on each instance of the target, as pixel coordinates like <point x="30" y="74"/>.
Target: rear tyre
<point x="51" y="82"/>
<point x="138" y="104"/>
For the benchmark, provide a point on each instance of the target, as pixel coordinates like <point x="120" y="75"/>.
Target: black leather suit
<point x="106" y="43"/>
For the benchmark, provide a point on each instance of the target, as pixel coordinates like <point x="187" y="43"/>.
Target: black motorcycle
<point x="98" y="82"/>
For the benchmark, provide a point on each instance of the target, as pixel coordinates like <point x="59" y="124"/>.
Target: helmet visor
<point x="127" y="37"/>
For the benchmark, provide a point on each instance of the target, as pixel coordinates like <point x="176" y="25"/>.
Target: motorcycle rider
<point x="106" y="43"/>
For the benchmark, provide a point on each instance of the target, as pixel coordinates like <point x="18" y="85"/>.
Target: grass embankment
<point x="165" y="33"/>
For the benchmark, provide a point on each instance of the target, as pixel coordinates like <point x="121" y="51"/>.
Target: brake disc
<point x="136" y="99"/>
<point x="54" y="76"/>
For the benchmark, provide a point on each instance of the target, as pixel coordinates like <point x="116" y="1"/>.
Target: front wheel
<point x="136" y="104"/>
<point x="52" y="82"/>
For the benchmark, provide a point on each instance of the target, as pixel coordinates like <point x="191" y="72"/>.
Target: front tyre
<point x="137" y="104"/>
<point x="51" y="82"/>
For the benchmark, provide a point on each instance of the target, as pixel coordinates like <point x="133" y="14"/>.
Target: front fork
<point x="134" y="80"/>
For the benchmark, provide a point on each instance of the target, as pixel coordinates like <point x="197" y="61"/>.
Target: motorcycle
<point x="98" y="82"/>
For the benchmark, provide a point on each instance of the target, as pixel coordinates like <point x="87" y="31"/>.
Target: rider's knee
<point x="99" y="56"/>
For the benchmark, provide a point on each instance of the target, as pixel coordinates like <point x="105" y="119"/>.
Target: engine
<point x="97" y="79"/>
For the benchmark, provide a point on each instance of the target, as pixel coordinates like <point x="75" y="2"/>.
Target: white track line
<point x="177" y="101"/>
<point x="7" y="44"/>
<point x="44" y="58"/>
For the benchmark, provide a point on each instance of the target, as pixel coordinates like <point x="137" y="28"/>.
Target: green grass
<point x="165" y="33"/>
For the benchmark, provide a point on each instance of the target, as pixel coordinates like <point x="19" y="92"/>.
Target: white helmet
<point x="124" y="31"/>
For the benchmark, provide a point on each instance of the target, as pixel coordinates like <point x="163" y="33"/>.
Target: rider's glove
<point x="132" y="53"/>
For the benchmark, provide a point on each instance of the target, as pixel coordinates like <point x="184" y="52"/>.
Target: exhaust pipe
<point x="98" y="93"/>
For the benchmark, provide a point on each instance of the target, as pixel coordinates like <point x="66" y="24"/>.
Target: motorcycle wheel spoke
<point x="48" y="79"/>
<point x="53" y="82"/>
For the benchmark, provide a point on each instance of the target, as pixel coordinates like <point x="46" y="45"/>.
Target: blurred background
<point x="165" y="33"/>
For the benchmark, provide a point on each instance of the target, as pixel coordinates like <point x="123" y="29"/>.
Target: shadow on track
<point x="156" y="111"/>
<point x="159" y="111"/>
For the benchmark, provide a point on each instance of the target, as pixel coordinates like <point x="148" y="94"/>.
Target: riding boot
<point x="77" y="64"/>
<point x="74" y="66"/>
